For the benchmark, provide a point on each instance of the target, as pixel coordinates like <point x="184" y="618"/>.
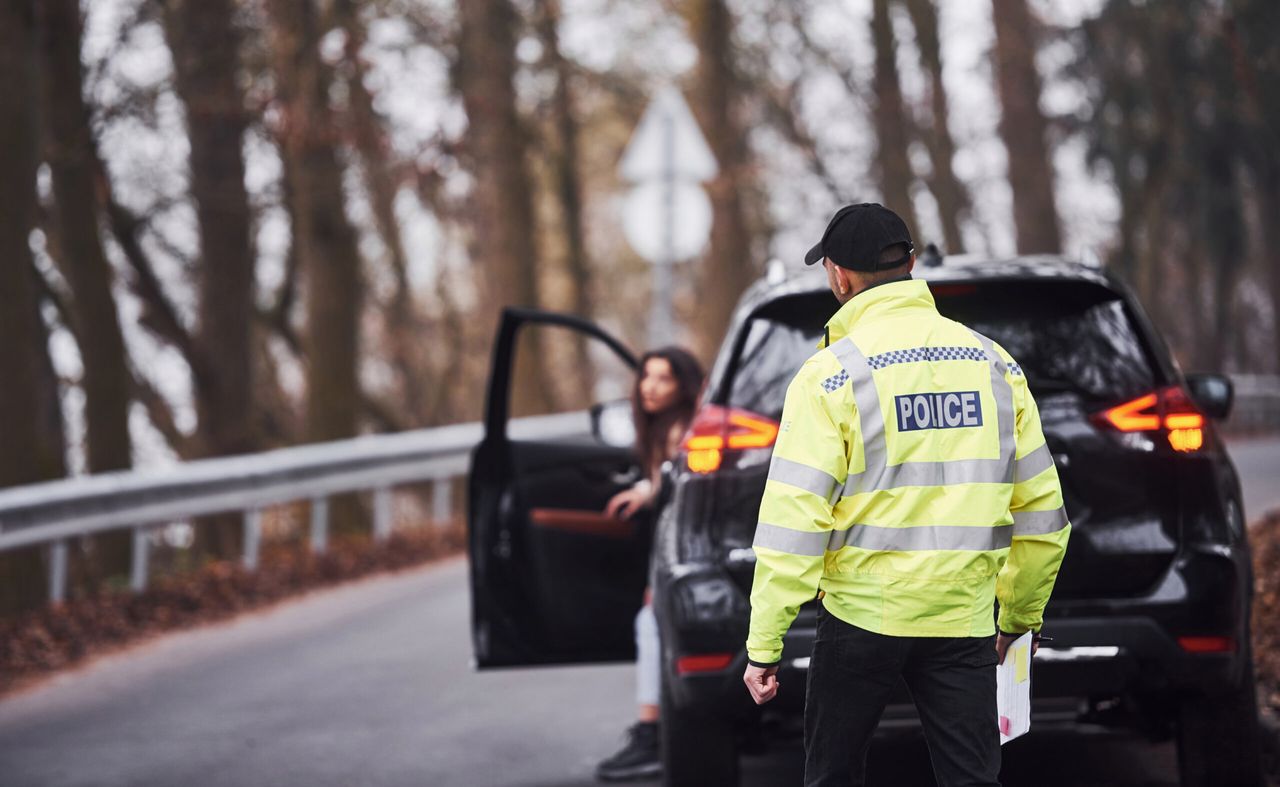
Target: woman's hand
<point x="625" y="503"/>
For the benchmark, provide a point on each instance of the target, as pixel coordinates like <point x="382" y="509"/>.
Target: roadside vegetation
<point x="50" y="639"/>
<point x="54" y="638"/>
<point x="238" y="225"/>
<point x="1266" y="609"/>
<point x="1265" y="538"/>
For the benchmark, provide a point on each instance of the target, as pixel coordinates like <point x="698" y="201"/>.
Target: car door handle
<point x="586" y="523"/>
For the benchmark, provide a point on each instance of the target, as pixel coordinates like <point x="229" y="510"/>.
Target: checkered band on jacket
<point x="835" y="381"/>
<point x="1015" y="368"/>
<point x="926" y="354"/>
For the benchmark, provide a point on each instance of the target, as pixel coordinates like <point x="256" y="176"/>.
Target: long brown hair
<point x="653" y="429"/>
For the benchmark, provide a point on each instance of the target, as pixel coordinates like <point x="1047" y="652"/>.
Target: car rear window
<point x="1068" y="336"/>
<point x="772" y="354"/>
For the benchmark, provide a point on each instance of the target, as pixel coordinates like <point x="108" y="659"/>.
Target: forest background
<point x="233" y="225"/>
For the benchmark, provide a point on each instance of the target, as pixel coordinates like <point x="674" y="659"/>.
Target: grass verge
<point x="1264" y="537"/>
<point x="39" y="643"/>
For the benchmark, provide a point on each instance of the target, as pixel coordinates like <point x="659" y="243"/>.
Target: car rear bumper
<point x="1100" y="648"/>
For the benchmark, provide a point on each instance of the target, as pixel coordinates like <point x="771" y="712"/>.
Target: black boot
<point x="638" y="759"/>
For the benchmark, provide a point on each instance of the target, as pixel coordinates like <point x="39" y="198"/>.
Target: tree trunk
<point x="1130" y="188"/>
<point x="29" y="455"/>
<point x="1023" y="128"/>
<point x="206" y="47"/>
<point x="951" y="196"/>
<point x="23" y="578"/>
<point x="382" y="184"/>
<point x="729" y="266"/>
<point x="48" y="415"/>
<point x="322" y="234"/>
<point x="69" y="149"/>
<point x="1269" y="205"/>
<point x="1224" y="232"/>
<point x="892" y="162"/>
<point x="206" y="51"/>
<point x="1249" y="28"/>
<point x="568" y="183"/>
<point x="504" y="246"/>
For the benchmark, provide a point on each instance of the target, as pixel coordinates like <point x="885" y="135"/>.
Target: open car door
<point x="553" y="580"/>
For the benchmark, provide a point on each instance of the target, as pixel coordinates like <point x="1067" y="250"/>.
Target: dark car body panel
<point x="552" y="581"/>
<point x="1157" y="552"/>
<point x="1158" y="549"/>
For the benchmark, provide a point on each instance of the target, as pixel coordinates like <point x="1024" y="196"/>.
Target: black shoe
<point x="637" y="760"/>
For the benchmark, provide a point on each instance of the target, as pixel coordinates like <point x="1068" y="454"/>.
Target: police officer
<point x="910" y="488"/>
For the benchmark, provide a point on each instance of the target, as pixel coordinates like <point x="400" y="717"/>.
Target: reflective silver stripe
<point x="1039" y="523"/>
<point x="1003" y="393"/>
<point x="870" y="419"/>
<point x="795" y="542"/>
<point x="942" y="473"/>
<point x="802" y="476"/>
<point x="1033" y="464"/>
<point x="973" y="538"/>
<point x="980" y="538"/>
<point x="879" y="475"/>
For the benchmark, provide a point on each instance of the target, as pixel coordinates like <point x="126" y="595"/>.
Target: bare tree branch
<point x="782" y="110"/>
<point x="160" y="315"/>
<point x="160" y="413"/>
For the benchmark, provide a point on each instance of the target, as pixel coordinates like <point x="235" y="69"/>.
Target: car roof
<point x="798" y="279"/>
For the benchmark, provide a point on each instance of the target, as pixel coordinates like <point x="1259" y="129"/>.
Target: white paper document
<point x="1013" y="690"/>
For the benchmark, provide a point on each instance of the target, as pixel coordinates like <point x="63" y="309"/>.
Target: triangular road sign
<point x="668" y="122"/>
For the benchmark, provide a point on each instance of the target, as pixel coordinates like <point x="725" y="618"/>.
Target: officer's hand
<point x="762" y="682"/>
<point x="1003" y="641"/>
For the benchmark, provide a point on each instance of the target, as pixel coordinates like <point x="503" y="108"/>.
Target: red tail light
<point x="1207" y="644"/>
<point x="708" y="662"/>
<point x="716" y="429"/>
<point x="1168" y="412"/>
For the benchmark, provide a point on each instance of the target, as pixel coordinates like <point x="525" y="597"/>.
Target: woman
<point x="662" y="403"/>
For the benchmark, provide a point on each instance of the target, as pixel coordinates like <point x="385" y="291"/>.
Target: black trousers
<point x="853" y="673"/>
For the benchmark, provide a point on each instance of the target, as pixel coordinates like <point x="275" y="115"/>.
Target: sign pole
<point x="661" y="314"/>
<point x="668" y="215"/>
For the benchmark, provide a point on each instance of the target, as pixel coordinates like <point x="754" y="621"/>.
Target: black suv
<point x="1150" y="615"/>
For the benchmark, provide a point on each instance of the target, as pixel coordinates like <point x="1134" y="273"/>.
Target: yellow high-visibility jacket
<point x="910" y="481"/>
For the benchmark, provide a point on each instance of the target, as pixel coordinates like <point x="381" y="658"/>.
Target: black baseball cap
<point x="856" y="236"/>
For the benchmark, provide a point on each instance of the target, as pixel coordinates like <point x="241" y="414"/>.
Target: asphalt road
<point x="371" y="684"/>
<point x="1257" y="461"/>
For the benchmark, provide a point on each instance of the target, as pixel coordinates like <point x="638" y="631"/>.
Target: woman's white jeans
<point x="647" y="655"/>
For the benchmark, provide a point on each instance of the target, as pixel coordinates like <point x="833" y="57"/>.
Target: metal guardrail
<point x="1257" y="403"/>
<point x="53" y="512"/>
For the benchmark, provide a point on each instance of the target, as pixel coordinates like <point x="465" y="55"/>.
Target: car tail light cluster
<point x="703" y="662"/>
<point x="717" y="429"/>
<point x="1168" y="412"/>
<point x="1207" y="644"/>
